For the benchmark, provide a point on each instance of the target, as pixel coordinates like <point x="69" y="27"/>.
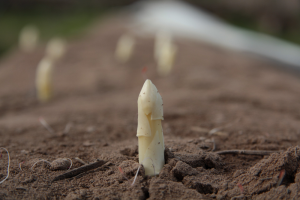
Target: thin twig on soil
<point x="20" y="165"/>
<point x="136" y="175"/>
<point x="268" y="178"/>
<point x="218" y="129"/>
<point x="214" y="131"/>
<point x="79" y="170"/>
<point x="67" y="128"/>
<point x="81" y="161"/>
<point x="133" y="182"/>
<point x="45" y="161"/>
<point x="281" y="176"/>
<point x="247" y="152"/>
<point x="8" y="164"/>
<point x="71" y="162"/>
<point x="45" y="124"/>
<point x="123" y="174"/>
<point x="214" y="144"/>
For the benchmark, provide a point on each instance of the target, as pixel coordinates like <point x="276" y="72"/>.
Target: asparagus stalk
<point x="149" y="130"/>
<point x="164" y="53"/>
<point x="124" y="48"/>
<point x="44" y="80"/>
<point x="55" y="49"/>
<point x="28" y="38"/>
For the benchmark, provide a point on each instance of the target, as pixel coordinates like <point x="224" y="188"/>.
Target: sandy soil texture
<point x="214" y="100"/>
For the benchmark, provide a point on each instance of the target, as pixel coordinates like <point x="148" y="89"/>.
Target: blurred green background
<point x="69" y="18"/>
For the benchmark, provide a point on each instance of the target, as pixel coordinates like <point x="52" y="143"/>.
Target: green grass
<point x="50" y="24"/>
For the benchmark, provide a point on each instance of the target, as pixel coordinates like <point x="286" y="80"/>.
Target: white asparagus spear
<point x="166" y="58"/>
<point x="164" y="52"/>
<point x="44" y="80"/>
<point x="28" y="38"/>
<point x="55" y="49"/>
<point x="161" y="37"/>
<point x="149" y="131"/>
<point x="124" y="48"/>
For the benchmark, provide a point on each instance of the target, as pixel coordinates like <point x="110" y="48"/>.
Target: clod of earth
<point x="61" y="164"/>
<point x="129" y="151"/>
<point x="264" y="176"/>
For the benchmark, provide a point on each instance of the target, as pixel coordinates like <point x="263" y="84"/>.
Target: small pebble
<point x="203" y="146"/>
<point x="83" y="193"/>
<point x="87" y="144"/>
<point x="60" y="164"/>
<point x="90" y="129"/>
<point x="24" y="152"/>
<point x="72" y="196"/>
<point x="105" y="144"/>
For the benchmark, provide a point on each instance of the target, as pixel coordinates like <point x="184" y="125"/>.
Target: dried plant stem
<point x="20" y="165"/>
<point x="79" y="170"/>
<point x="268" y="178"/>
<point x="136" y="175"/>
<point x="81" y="161"/>
<point x="214" y="144"/>
<point x="121" y="171"/>
<point x="45" y="124"/>
<point x="8" y="165"/>
<point x="246" y="152"/>
<point x="67" y="128"/>
<point x="71" y="162"/>
<point x="40" y="161"/>
<point x="217" y="129"/>
<point x="133" y="182"/>
<point x="281" y="176"/>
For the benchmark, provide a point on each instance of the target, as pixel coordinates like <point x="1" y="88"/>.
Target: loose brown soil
<point x="255" y="105"/>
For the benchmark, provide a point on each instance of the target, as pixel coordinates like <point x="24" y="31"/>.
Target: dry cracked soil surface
<point x="214" y="100"/>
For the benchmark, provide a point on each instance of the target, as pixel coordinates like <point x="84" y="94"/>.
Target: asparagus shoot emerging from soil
<point x="164" y="53"/>
<point x="28" y="38"/>
<point x="124" y="48"/>
<point x="44" y="80"/>
<point x="161" y="38"/>
<point x="55" y="49"/>
<point x="149" y="130"/>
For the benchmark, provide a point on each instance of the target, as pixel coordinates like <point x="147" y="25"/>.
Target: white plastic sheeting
<point x="186" y="21"/>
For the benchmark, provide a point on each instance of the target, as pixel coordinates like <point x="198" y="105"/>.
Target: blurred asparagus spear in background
<point x="55" y="49"/>
<point x="44" y="80"/>
<point x="29" y="37"/>
<point x="124" y="49"/>
<point x="164" y="53"/>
